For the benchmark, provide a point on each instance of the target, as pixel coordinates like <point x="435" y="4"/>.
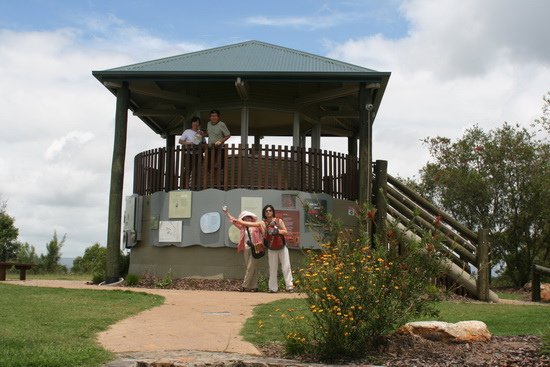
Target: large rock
<point x="544" y="291"/>
<point x="461" y="332"/>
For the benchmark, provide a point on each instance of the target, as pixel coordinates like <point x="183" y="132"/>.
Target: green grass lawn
<point x="57" y="327"/>
<point x="69" y="276"/>
<point x="508" y="295"/>
<point x="266" y="324"/>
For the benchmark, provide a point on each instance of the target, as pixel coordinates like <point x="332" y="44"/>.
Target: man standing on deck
<point x="217" y="131"/>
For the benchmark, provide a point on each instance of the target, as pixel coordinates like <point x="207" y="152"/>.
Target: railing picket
<point x="279" y="168"/>
<point x="286" y="167"/>
<point x="341" y="175"/>
<point x="239" y="165"/>
<point x="246" y="159"/>
<point x="320" y="169"/>
<point x="259" y="167"/>
<point x="233" y="166"/>
<point x="154" y="161"/>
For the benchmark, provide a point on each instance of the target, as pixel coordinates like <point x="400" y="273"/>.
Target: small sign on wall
<point x="179" y="204"/>
<point x="170" y="231"/>
<point x="291" y="218"/>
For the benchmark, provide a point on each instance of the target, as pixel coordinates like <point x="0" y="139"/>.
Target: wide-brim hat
<point x="246" y="213"/>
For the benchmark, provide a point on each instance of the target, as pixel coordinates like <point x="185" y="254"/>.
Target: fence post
<point x="379" y="199"/>
<point x="483" y="267"/>
<point x="535" y="285"/>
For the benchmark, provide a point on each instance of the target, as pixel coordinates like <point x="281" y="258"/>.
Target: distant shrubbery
<point x="94" y="262"/>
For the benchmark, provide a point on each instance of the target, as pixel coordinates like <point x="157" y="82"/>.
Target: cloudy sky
<point x="454" y="63"/>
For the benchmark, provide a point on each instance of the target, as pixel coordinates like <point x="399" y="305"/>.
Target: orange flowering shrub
<point x="358" y="292"/>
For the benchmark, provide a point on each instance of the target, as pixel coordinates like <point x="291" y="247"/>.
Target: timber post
<point x="380" y="188"/>
<point x="483" y="267"/>
<point x="365" y="150"/>
<point x="112" y="271"/>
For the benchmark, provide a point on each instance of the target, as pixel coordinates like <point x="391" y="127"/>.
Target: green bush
<point x="98" y="278"/>
<point x="132" y="280"/>
<point x="94" y="261"/>
<point x="166" y="281"/>
<point x="358" y="293"/>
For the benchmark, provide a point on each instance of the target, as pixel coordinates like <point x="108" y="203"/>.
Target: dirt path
<point x="188" y="320"/>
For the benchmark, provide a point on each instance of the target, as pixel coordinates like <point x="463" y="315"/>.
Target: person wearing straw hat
<point x="251" y="244"/>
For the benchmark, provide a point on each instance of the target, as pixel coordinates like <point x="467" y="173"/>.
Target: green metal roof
<point x="262" y="76"/>
<point x="250" y="56"/>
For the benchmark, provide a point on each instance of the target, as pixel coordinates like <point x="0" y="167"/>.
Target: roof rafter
<point x="327" y="95"/>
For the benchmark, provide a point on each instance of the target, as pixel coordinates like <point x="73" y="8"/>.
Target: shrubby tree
<point x="50" y="261"/>
<point x="498" y="180"/>
<point x="93" y="259"/>
<point x="26" y="253"/>
<point x="544" y="120"/>
<point x="8" y="235"/>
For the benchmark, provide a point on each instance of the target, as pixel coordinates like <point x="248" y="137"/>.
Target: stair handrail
<point x="423" y="202"/>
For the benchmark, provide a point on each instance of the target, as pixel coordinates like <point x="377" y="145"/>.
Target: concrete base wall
<point x="197" y="262"/>
<point x="214" y="255"/>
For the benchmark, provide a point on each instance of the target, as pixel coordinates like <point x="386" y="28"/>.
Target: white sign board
<point x="170" y="231"/>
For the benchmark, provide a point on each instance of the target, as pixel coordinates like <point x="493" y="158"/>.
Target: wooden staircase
<point x="467" y="251"/>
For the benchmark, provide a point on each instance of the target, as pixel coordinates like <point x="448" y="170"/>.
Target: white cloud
<point x="71" y="141"/>
<point x="309" y="22"/>
<point x="58" y="125"/>
<point x="462" y="62"/>
<point x="321" y="18"/>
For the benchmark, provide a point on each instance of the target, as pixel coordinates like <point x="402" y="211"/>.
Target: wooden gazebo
<point x="262" y="90"/>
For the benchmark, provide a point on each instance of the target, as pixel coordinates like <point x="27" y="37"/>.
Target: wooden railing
<point x="246" y="167"/>
<point x="461" y="245"/>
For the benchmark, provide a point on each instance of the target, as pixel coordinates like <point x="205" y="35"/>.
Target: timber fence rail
<point x="538" y="272"/>
<point x="461" y="245"/>
<point x="246" y="167"/>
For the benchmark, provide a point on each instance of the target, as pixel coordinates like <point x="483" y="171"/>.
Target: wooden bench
<point x="4" y="266"/>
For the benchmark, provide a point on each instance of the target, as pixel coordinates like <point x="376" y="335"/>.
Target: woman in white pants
<point x="277" y="250"/>
<point x="252" y="236"/>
